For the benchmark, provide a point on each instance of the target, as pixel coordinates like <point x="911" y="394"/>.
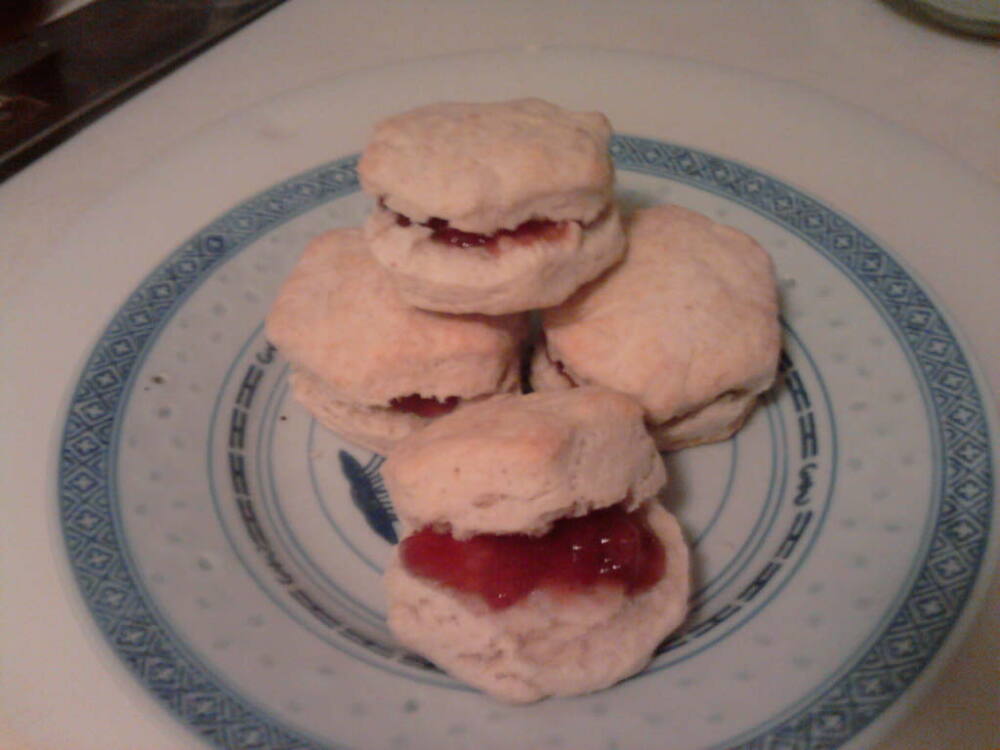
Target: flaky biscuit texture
<point x="489" y="166"/>
<point x="548" y="644"/>
<point x="377" y="428"/>
<point x="514" y="464"/>
<point x="717" y="420"/>
<point x="689" y="318"/>
<point x="517" y="276"/>
<point x="338" y="317"/>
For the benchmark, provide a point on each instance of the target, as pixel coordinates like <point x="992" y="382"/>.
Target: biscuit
<point x="490" y="166"/>
<point x="514" y="464"/>
<point x="361" y="356"/>
<point x="505" y="478"/>
<point x="547" y="644"/>
<point x="491" y="207"/>
<point x="687" y="325"/>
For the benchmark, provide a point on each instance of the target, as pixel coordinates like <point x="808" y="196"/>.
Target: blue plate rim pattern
<point x="831" y="715"/>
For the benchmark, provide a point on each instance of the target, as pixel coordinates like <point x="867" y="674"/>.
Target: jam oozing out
<point x="608" y="545"/>
<point x="528" y="231"/>
<point x="424" y="407"/>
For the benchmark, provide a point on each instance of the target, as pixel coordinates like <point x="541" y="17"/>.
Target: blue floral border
<point x="138" y="634"/>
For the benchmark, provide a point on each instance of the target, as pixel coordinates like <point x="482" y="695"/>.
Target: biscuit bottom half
<point x="551" y="642"/>
<point x="376" y="428"/>
<point x="717" y="420"/>
<point x="511" y="275"/>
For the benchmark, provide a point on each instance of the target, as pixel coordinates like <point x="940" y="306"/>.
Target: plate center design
<point x="159" y="445"/>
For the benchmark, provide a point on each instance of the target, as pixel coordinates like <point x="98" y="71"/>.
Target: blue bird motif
<point x="370" y="495"/>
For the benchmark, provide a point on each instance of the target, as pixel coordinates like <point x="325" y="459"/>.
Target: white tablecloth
<point x="865" y="53"/>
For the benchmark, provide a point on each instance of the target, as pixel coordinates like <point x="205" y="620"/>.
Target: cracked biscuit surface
<point x="547" y="644"/>
<point x="489" y="166"/>
<point x="518" y="462"/>
<point x="355" y="346"/>
<point x="515" y="465"/>
<point x="486" y="171"/>
<point x="687" y="324"/>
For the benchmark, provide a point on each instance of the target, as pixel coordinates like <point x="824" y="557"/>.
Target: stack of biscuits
<point x="537" y="559"/>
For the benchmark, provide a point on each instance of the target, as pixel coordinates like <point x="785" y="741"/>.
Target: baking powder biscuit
<point x="518" y="467"/>
<point x="515" y="464"/>
<point x="491" y="207"/>
<point x="687" y="325"/>
<point x="548" y="644"/>
<point x="371" y="367"/>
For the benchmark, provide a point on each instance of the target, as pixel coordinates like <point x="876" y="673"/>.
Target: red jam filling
<point x="608" y="545"/>
<point x="528" y="231"/>
<point x="561" y="369"/>
<point x="424" y="407"/>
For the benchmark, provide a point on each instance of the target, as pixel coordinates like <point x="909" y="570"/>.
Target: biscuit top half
<point x="690" y="314"/>
<point x="338" y="316"/>
<point x="517" y="463"/>
<point x="489" y="166"/>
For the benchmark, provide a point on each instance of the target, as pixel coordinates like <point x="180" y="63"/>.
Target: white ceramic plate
<point x="229" y="548"/>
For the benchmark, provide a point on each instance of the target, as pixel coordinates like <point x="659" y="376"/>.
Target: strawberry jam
<point x="424" y="407"/>
<point x="561" y="369"/>
<point x="528" y="231"/>
<point x="606" y="546"/>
